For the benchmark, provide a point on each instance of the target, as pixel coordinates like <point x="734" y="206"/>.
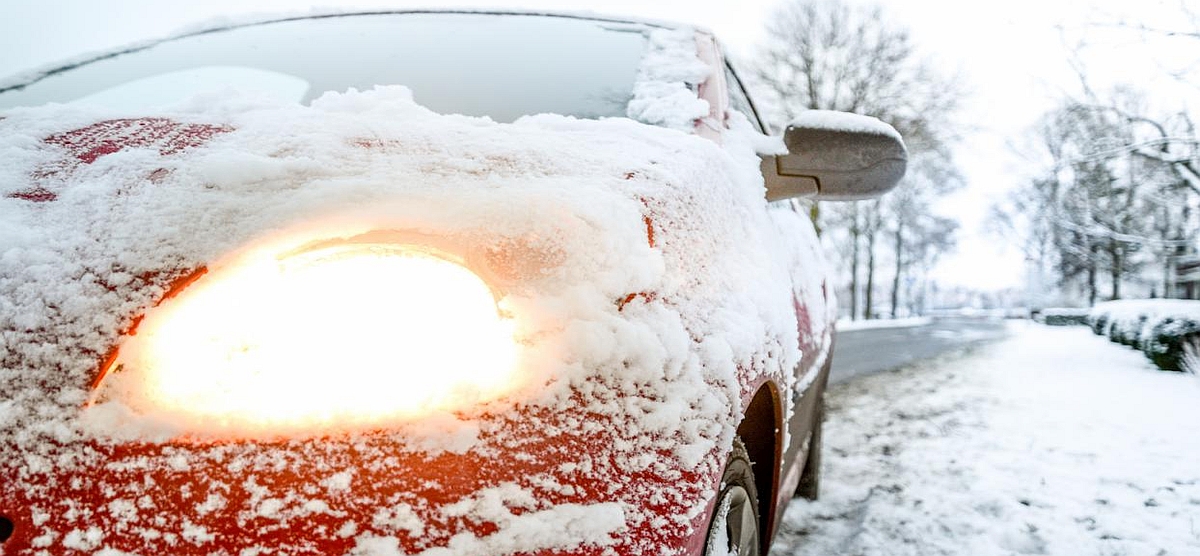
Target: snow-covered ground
<point x="1054" y="441"/>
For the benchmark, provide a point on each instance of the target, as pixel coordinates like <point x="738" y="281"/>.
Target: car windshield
<point x="501" y="66"/>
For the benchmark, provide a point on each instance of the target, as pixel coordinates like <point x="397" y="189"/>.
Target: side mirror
<point x="836" y="156"/>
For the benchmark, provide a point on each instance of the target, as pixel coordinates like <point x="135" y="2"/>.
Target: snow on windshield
<point x="500" y="66"/>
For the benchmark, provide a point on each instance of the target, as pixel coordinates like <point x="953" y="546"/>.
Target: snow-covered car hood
<point x="639" y="276"/>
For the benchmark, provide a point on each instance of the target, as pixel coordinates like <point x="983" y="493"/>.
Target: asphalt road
<point x="868" y="351"/>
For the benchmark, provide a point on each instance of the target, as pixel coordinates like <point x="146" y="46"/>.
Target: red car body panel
<point x="389" y="474"/>
<point x="224" y="497"/>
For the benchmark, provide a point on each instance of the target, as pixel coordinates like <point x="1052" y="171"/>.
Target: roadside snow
<point x="1052" y="442"/>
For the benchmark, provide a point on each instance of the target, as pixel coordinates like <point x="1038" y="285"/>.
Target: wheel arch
<point x="761" y="432"/>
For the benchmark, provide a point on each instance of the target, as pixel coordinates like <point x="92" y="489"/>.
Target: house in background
<point x="1187" y="277"/>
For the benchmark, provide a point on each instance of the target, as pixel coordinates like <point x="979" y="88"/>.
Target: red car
<point x="436" y="283"/>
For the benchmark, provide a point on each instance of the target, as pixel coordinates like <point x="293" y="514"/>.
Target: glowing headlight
<point x="345" y="335"/>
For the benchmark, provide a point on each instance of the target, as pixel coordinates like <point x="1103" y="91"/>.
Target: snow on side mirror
<point x="836" y="156"/>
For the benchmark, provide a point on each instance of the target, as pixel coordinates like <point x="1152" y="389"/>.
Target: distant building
<point x="1187" y="277"/>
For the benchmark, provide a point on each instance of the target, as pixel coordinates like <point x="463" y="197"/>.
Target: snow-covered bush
<point x="1160" y="328"/>
<point x="1098" y="321"/>
<point x="1063" y="316"/>
<point x="1165" y="343"/>
<point x="1127" y="331"/>
<point x="1191" y="356"/>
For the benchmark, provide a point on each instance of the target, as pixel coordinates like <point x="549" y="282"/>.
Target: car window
<point x="475" y="64"/>
<point x="739" y="100"/>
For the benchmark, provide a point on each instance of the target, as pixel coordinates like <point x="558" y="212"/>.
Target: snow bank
<point x="640" y="266"/>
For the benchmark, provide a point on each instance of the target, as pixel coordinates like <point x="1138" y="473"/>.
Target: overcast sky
<point x="1012" y="54"/>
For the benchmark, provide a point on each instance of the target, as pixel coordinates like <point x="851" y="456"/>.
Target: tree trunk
<point x="869" y="309"/>
<point x="1116" y="260"/>
<point x="899" y="269"/>
<point x="1171" y="289"/>
<point x="1167" y="272"/>
<point x="1168" y="256"/>
<point x="1091" y="276"/>
<point x="855" y="232"/>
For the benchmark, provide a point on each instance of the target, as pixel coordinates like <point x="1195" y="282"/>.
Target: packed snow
<point x="646" y="279"/>
<point x="1054" y="441"/>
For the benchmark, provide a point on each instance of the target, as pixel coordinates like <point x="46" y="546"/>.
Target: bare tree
<point x="1118" y="203"/>
<point x="1116" y="197"/>
<point x="831" y="55"/>
<point x="1181" y="35"/>
<point x="918" y="236"/>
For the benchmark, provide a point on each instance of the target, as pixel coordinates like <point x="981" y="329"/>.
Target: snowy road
<point x="865" y="351"/>
<point x="1053" y="441"/>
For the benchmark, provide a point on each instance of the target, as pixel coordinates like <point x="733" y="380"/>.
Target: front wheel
<point x="734" y="526"/>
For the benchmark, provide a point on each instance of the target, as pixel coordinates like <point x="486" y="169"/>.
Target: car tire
<point x="734" y="527"/>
